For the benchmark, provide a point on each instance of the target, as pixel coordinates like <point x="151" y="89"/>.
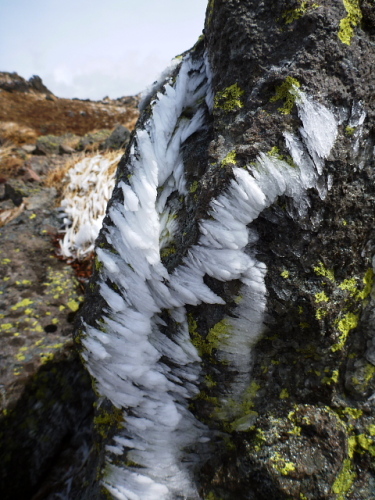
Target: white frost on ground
<point x="90" y="185"/>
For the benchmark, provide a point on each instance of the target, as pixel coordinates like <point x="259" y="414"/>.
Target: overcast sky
<point x="93" y="48"/>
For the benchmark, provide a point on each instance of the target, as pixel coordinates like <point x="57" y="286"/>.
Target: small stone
<point x="29" y="148"/>
<point x="66" y="150"/>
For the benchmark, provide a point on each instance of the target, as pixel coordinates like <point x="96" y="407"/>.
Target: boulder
<point x="229" y="325"/>
<point x="53" y="144"/>
<point x="119" y="138"/>
<point x="93" y="140"/>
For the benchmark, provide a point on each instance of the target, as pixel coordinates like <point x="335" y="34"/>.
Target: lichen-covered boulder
<point x="228" y="327"/>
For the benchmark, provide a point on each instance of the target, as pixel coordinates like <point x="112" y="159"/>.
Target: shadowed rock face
<point x="237" y="326"/>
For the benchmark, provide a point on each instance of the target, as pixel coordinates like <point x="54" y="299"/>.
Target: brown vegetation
<point x="17" y="134"/>
<point x="51" y="115"/>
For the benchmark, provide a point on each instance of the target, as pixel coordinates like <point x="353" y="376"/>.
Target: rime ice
<point x="161" y="434"/>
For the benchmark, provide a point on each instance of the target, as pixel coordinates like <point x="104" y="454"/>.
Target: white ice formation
<point x="90" y="185"/>
<point x="148" y="373"/>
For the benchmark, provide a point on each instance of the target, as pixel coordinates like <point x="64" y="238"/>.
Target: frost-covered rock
<point x="229" y="325"/>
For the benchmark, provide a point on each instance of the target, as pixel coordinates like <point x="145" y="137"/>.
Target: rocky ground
<point x="45" y="396"/>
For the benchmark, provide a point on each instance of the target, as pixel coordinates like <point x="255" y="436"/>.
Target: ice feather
<point x="133" y="343"/>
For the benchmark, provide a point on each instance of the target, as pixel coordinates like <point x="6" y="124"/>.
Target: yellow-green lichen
<point x="295" y="431"/>
<point x="369" y="373"/>
<point x="366" y="444"/>
<point x="6" y="326"/>
<point x="350" y="285"/>
<point x="284" y="394"/>
<point x="259" y="439"/>
<point x="353" y="18"/>
<point x="249" y="396"/>
<point x="248" y="416"/>
<point x="229" y="99"/>
<point x="352" y="412"/>
<point x="73" y="305"/>
<point x="194" y="186"/>
<point x="279" y="463"/>
<point x="321" y="270"/>
<point x="285" y="274"/>
<point x="167" y="251"/>
<point x="238" y="299"/>
<point x="349" y="131"/>
<point x="344" y="481"/>
<point x="210" y="11"/>
<point x="288" y="92"/>
<point x="23" y="303"/>
<point x="209" y="381"/>
<point x="97" y="264"/>
<point x="321" y="297"/>
<point x="275" y="153"/>
<point x="46" y="356"/>
<point x="238" y="414"/>
<point x="196" y="338"/>
<point x="217" y="334"/>
<point x="291" y="15"/>
<point x="368" y="281"/>
<point x="348" y="322"/>
<point x="321" y="313"/>
<point x="105" y="421"/>
<point x="332" y="379"/>
<point x="230" y="159"/>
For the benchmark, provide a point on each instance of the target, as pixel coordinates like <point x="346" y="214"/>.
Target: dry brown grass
<point x="111" y="155"/>
<point x="57" y="177"/>
<point x="9" y="161"/>
<point x="59" y="116"/>
<point x="17" y="134"/>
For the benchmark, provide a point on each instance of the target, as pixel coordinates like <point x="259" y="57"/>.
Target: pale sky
<point x="93" y="48"/>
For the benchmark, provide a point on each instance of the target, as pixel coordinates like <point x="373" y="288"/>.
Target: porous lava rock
<point x="288" y="103"/>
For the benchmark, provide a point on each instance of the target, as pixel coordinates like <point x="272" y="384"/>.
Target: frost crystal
<point x="90" y="185"/>
<point x="125" y="353"/>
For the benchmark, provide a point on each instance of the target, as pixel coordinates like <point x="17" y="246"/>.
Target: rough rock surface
<point x="288" y="78"/>
<point x="46" y="399"/>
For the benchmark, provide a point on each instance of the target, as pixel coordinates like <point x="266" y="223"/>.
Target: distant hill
<point x="29" y="103"/>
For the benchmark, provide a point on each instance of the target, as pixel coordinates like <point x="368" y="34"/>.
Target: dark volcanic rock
<point x="12" y="82"/>
<point x="118" y="139"/>
<point x="276" y="219"/>
<point x="46" y="399"/>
